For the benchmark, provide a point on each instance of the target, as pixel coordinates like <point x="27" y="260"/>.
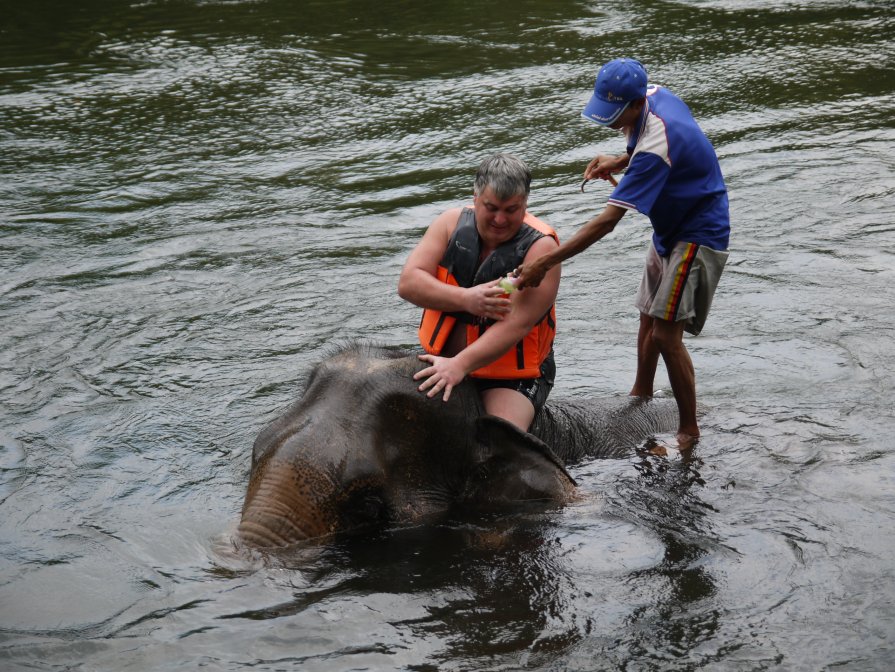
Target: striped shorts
<point x="680" y="286"/>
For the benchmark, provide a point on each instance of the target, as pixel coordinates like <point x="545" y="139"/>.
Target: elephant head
<point x="363" y="445"/>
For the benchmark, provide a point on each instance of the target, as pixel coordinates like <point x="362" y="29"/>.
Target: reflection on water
<point x="198" y="199"/>
<point x="666" y="496"/>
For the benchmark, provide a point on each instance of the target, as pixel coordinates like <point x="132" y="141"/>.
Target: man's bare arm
<point x="418" y="283"/>
<point x="532" y="273"/>
<point x="528" y="308"/>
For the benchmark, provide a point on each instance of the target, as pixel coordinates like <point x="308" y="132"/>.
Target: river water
<point x="199" y="199"/>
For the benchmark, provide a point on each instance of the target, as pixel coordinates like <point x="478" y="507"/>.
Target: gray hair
<point x="506" y="174"/>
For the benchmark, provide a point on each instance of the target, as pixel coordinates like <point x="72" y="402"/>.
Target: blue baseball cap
<point x="618" y="83"/>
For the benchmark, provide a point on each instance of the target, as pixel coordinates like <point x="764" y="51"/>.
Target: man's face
<point x="498" y="220"/>
<point x="629" y="117"/>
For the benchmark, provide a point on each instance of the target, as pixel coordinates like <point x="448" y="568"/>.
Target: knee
<point x="666" y="340"/>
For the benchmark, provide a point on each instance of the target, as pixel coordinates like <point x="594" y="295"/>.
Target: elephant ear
<point x="513" y="466"/>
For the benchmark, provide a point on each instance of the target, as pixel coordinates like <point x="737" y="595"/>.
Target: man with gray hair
<point x="474" y="322"/>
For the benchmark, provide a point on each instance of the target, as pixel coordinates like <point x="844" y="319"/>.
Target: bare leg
<point x="647" y="359"/>
<point x="510" y="405"/>
<point x="668" y="338"/>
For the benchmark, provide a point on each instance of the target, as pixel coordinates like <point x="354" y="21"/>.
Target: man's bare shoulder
<point x="541" y="246"/>
<point x="549" y="285"/>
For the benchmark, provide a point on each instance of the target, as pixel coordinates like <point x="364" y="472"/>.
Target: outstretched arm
<point x="532" y="274"/>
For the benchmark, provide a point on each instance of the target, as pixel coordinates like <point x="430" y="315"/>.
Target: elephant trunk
<point x="285" y="504"/>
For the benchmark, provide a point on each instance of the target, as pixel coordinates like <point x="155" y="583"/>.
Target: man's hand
<point x="488" y="300"/>
<point x="531" y="274"/>
<point x="603" y="166"/>
<point x="443" y="374"/>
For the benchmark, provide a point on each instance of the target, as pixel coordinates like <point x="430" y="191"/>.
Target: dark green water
<point x="198" y="199"/>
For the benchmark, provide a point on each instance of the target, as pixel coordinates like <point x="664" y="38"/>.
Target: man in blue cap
<point x="672" y="176"/>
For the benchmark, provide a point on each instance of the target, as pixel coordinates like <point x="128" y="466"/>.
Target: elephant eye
<point x="362" y="506"/>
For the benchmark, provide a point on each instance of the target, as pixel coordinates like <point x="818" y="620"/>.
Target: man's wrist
<point x="548" y="261"/>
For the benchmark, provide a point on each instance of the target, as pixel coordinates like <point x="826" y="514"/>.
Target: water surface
<point x="198" y="200"/>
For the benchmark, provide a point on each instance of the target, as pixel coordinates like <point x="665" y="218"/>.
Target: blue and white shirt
<point x="673" y="177"/>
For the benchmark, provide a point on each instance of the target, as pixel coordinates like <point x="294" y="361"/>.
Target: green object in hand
<point x="507" y="284"/>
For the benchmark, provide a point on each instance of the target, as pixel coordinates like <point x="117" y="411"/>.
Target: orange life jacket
<point x="460" y="267"/>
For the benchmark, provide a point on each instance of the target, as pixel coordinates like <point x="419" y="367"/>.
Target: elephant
<point x="362" y="445"/>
